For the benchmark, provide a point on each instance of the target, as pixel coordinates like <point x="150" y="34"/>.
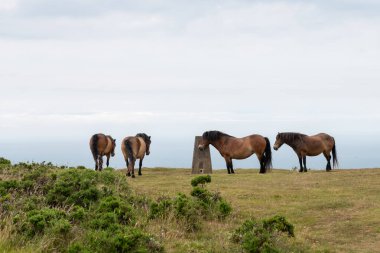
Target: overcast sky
<point x="174" y="69"/>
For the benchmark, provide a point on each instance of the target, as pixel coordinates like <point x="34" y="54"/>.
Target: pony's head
<point x="113" y="146"/>
<point x="210" y="137"/>
<point x="147" y="141"/>
<point x="279" y="142"/>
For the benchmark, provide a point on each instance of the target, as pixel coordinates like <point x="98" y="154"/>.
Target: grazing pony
<point x="239" y="148"/>
<point x="102" y="145"/>
<point x="305" y="145"/>
<point x="135" y="148"/>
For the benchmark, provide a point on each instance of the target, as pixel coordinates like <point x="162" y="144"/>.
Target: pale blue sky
<point x="174" y="69"/>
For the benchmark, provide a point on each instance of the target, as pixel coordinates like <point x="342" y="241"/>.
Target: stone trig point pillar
<point x="201" y="159"/>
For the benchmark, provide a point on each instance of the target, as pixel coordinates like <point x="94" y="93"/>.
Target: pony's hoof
<point x="140" y="174"/>
<point x="133" y="176"/>
<point x="128" y="174"/>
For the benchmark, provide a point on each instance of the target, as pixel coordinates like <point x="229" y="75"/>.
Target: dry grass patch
<point x="336" y="212"/>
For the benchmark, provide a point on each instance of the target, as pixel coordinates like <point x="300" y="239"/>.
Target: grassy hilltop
<point x="337" y="211"/>
<point x="46" y="208"/>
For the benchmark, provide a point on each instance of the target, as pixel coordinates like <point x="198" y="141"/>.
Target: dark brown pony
<point x="102" y="145"/>
<point x="135" y="148"/>
<point x="305" y="145"/>
<point x="239" y="148"/>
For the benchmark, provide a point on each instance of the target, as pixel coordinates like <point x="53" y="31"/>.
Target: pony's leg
<point x="108" y="160"/>
<point x="133" y="167"/>
<point x="232" y="167"/>
<point x="96" y="163"/>
<point x="328" y="158"/>
<point x="300" y="160"/>
<point x="262" y="164"/>
<point x="262" y="167"/>
<point x="228" y="161"/>
<point x="304" y="164"/>
<point x="128" y="169"/>
<point x="100" y="163"/>
<point x="140" y="165"/>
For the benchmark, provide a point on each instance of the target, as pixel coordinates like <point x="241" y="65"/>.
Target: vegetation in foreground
<point x="49" y="209"/>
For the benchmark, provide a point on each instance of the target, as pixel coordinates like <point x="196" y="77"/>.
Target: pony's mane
<point x="291" y="137"/>
<point x="145" y="137"/>
<point x="212" y="136"/>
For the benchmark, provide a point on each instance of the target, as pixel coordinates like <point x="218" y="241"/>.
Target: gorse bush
<point x="261" y="236"/>
<point x="201" y="180"/>
<point x="278" y="224"/>
<point x="73" y="210"/>
<point x="4" y="161"/>
<point x="191" y="210"/>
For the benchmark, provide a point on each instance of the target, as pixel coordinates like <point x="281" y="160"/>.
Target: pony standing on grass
<point x="102" y="145"/>
<point x="239" y="148"/>
<point x="305" y="145"/>
<point x="135" y="148"/>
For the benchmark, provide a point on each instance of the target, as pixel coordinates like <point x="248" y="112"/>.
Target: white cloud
<point x="8" y="5"/>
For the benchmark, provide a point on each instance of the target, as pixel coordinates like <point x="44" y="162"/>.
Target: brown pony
<point x="102" y="145"/>
<point x="239" y="148"/>
<point x="305" y="145"/>
<point x="135" y="148"/>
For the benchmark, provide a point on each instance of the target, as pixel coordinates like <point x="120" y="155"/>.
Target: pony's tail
<point x="267" y="155"/>
<point x="334" y="155"/>
<point x="128" y="146"/>
<point x="94" y="146"/>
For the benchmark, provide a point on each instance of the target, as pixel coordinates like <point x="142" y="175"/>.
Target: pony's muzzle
<point x="147" y="152"/>
<point x="275" y="148"/>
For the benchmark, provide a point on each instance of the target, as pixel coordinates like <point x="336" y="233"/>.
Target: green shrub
<point x="190" y="211"/>
<point x="280" y="224"/>
<point x="161" y="208"/>
<point x="187" y="211"/>
<point x="126" y="239"/>
<point x="201" y="180"/>
<point x="77" y="214"/>
<point x="73" y="210"/>
<point x="225" y="209"/>
<point x="39" y="220"/>
<point x="108" y="177"/>
<point x="120" y="208"/>
<point x="105" y="221"/>
<point x="8" y="185"/>
<point x="61" y="226"/>
<point x="255" y="236"/>
<point x="4" y="161"/>
<point x="76" y="187"/>
<point x="202" y="194"/>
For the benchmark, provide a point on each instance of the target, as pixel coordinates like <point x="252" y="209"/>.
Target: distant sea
<point x="352" y="153"/>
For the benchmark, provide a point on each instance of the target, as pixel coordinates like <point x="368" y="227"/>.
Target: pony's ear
<point x="149" y="137"/>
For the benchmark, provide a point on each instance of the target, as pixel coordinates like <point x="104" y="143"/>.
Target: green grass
<point x="331" y="212"/>
<point x="337" y="211"/>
